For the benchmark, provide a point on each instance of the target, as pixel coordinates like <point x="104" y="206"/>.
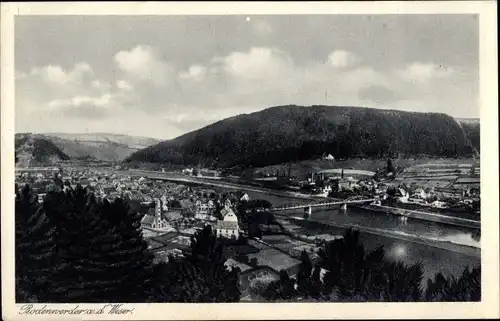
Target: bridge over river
<point x="365" y="203"/>
<point x="326" y="203"/>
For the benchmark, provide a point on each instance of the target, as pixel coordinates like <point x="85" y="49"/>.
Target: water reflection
<point x="403" y="220"/>
<point x="398" y="251"/>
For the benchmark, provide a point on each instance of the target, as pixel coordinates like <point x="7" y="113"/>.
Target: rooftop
<point x="233" y="263"/>
<point x="148" y="219"/>
<point x="227" y="225"/>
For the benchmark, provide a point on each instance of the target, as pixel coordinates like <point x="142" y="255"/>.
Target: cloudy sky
<point x="162" y="76"/>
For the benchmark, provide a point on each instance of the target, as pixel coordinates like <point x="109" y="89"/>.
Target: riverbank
<point x="426" y="216"/>
<point x="463" y="249"/>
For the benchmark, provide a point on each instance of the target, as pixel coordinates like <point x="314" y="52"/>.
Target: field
<point x="455" y="174"/>
<point x="273" y="258"/>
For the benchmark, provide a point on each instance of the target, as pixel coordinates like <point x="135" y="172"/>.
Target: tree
<point x="391" y="191"/>
<point x="35" y="253"/>
<point x="254" y="230"/>
<point x="304" y="275"/>
<point x="403" y="282"/>
<point x="282" y="289"/>
<point x="180" y="280"/>
<point x="354" y="275"/>
<point x="174" y="204"/>
<point x="100" y="247"/>
<point x="258" y="285"/>
<point x="465" y="288"/>
<point x="130" y="256"/>
<point x="253" y="262"/>
<point x="390" y="167"/>
<point x="315" y="285"/>
<point x="201" y="277"/>
<point x="343" y="259"/>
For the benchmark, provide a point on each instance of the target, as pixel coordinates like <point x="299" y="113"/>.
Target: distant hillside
<point x="105" y="147"/>
<point x="132" y="142"/>
<point x="35" y="150"/>
<point x="290" y="133"/>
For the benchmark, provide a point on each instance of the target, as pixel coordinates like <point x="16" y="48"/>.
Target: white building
<point x="329" y="157"/>
<point x="325" y="191"/>
<point x="201" y="207"/>
<point x="228" y="227"/>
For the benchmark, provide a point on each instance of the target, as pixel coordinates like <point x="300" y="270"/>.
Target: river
<point x="440" y="248"/>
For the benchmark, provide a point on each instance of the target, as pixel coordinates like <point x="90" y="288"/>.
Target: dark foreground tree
<point x="99" y="248"/>
<point x="34" y="249"/>
<point x="129" y="256"/>
<point x="465" y="288"/>
<point x="201" y="276"/>
<point x="390" y="166"/>
<point x="282" y="289"/>
<point x="304" y="276"/>
<point x="356" y="275"/>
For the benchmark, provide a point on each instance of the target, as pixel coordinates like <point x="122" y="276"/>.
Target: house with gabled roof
<point x="228" y="227"/>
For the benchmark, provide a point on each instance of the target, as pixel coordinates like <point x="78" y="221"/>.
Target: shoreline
<point x="444" y="245"/>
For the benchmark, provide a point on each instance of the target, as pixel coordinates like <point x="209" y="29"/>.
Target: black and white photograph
<point x="247" y="158"/>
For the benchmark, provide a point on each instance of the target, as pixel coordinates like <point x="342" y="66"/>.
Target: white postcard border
<point x="489" y="307"/>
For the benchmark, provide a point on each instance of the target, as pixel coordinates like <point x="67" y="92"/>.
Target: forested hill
<point x="287" y="133"/>
<point x="472" y="130"/>
<point x="35" y="150"/>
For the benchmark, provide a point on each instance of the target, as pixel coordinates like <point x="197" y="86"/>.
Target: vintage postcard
<point x="249" y="160"/>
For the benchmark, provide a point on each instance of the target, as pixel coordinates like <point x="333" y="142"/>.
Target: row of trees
<point x="76" y="248"/>
<point x="347" y="272"/>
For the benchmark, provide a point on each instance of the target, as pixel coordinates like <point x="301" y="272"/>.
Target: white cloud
<point x="122" y="84"/>
<point x="143" y="64"/>
<point x="101" y="101"/>
<point x="424" y="72"/>
<point x="56" y="74"/>
<point x="258" y="62"/>
<point x="342" y="59"/>
<point x="194" y="72"/>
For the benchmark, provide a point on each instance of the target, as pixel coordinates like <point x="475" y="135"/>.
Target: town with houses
<point x="173" y="212"/>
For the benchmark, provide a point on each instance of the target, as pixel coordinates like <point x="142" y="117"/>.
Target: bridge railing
<point x="292" y="205"/>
